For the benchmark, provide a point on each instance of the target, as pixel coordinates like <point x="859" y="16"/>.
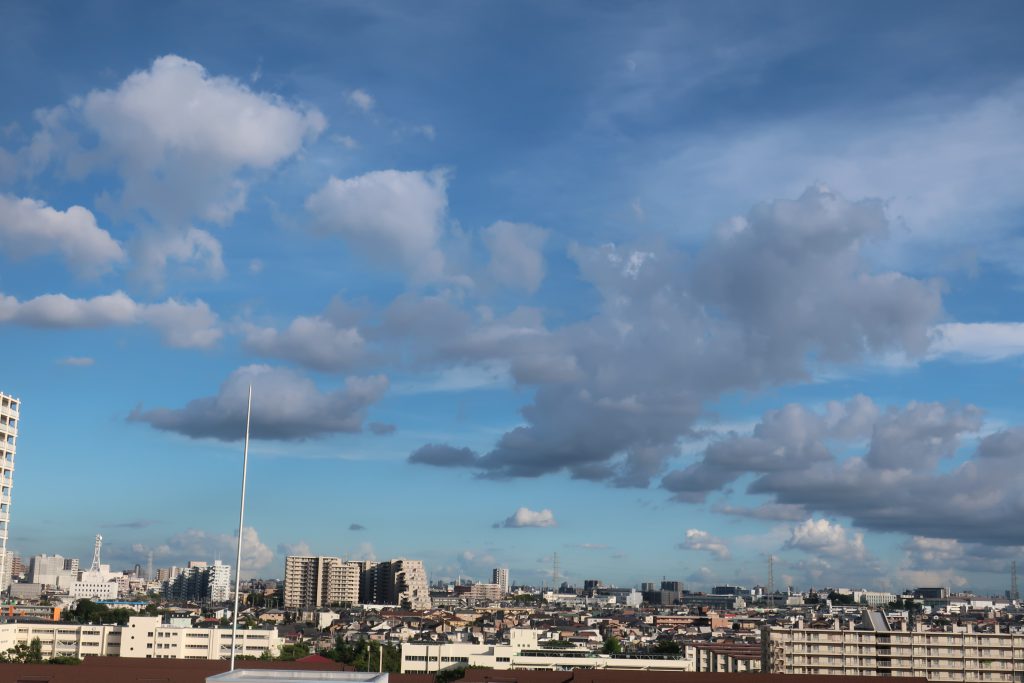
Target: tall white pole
<point x="241" y="527"/>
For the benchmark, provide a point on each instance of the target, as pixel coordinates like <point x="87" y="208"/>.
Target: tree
<point x="290" y="652"/>
<point x="449" y="675"/>
<point x="665" y="647"/>
<point x="22" y="653"/>
<point x="612" y="646"/>
<point x="365" y="655"/>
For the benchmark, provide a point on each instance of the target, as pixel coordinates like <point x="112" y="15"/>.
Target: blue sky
<point x="665" y="288"/>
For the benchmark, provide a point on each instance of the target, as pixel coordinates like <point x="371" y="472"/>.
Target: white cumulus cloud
<point x="394" y="216"/>
<point x="697" y="539"/>
<point x="184" y="325"/>
<point x="28" y="227"/>
<point x="525" y="517"/>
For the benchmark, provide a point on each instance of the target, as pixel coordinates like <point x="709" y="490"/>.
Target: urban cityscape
<point x="511" y="342"/>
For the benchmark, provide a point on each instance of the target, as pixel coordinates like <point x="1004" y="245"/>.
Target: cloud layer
<point x="773" y="296"/>
<point x="285" y="407"/>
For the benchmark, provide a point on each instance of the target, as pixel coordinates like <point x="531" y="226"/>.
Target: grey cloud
<point x="286" y="407"/>
<point x="774" y="293"/>
<point x="793" y="273"/>
<point x="785" y="440"/>
<point x="769" y="511"/>
<point x="516" y="257"/>
<point x="313" y="342"/>
<point x="901" y="482"/>
<point x="356" y="527"/>
<point x="136" y="524"/>
<point x="381" y="428"/>
<point x="443" y="455"/>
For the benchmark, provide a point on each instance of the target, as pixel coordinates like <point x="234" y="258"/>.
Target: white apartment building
<point x="142" y="637"/>
<point x="963" y="654"/>
<point x="524" y="652"/>
<point x="500" y="577"/>
<point x="10" y="415"/>
<point x="219" y="581"/>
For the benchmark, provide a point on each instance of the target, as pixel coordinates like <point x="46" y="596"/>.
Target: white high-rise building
<point x="219" y="586"/>
<point x="10" y="414"/>
<point x="500" y="577"/>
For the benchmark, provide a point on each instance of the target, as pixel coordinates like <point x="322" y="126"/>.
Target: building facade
<point x="963" y="654"/>
<point x="500" y="577"/>
<point x="10" y="416"/>
<point x="143" y="637"/>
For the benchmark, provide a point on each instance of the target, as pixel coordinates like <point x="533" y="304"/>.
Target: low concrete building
<point x="524" y="652"/>
<point x="142" y="637"/>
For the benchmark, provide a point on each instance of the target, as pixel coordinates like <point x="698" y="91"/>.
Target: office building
<point x="500" y="577"/>
<point x="52" y="570"/>
<point x="10" y="415"/>
<point x="875" y="649"/>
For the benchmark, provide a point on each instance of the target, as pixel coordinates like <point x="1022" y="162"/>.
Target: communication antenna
<point x="771" y="579"/>
<point x="1014" y="594"/>
<point x="554" y="573"/>
<point x="241" y="530"/>
<point x="96" y="554"/>
<point x="149" y="567"/>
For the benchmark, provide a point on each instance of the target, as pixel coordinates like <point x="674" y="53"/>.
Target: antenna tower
<point x="96" y="554"/>
<point x="554" y="573"/>
<point x="771" y="578"/>
<point x="1014" y="593"/>
<point x="149" y="567"/>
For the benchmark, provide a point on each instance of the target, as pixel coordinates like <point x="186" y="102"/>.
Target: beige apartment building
<point x="316" y="581"/>
<point x="963" y="654"/>
<point x="142" y="637"/>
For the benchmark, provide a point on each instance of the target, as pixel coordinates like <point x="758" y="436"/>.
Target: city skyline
<point x="666" y="290"/>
